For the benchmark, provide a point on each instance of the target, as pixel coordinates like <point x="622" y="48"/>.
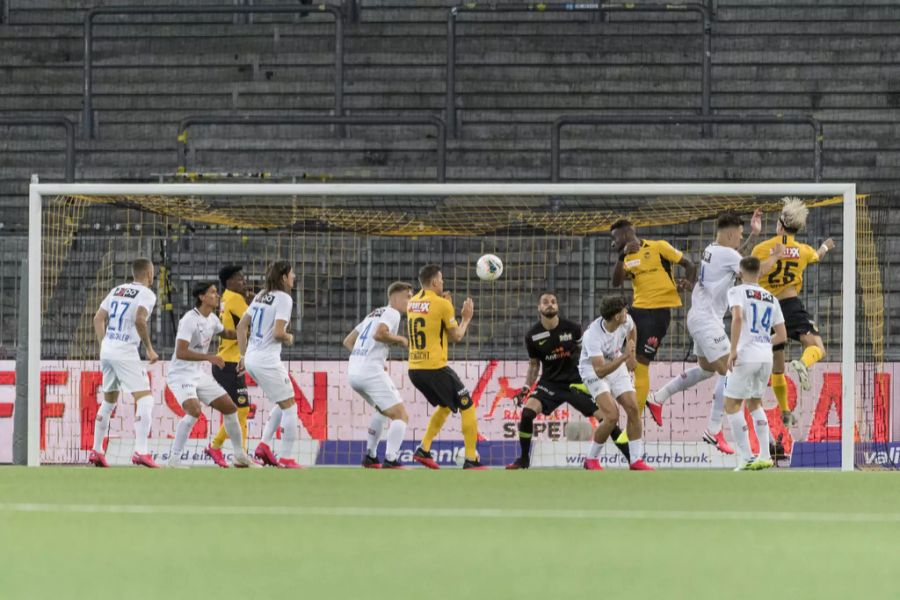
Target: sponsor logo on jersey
<point x="377" y="312"/>
<point x="418" y="306"/>
<point x="541" y="336"/>
<point x="126" y="292"/>
<point x="267" y="299"/>
<point x="565" y="337"/>
<point x="761" y="295"/>
<point x="632" y="263"/>
<point x="707" y="256"/>
<point x="791" y="252"/>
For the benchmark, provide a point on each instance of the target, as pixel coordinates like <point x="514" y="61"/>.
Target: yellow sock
<point x="642" y="384"/>
<point x="811" y="356"/>
<point x="243" y="411"/>
<point x="434" y="426"/>
<point x="470" y="432"/>
<point x="779" y="386"/>
<point x="219" y="440"/>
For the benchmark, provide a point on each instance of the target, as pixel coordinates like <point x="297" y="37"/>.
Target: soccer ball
<point x="489" y="267"/>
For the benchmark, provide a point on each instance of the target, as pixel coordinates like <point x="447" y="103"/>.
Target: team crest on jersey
<point x="565" y="337"/>
<point x="126" y="292"/>
<point x="791" y="252"/>
<point x="418" y="306"/>
<point x="707" y="256"/>
<point x="761" y="295"/>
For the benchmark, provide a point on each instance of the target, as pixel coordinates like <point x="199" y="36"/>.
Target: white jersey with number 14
<point x="760" y="312"/>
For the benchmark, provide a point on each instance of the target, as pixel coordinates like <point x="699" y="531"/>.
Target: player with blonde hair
<point x="785" y="280"/>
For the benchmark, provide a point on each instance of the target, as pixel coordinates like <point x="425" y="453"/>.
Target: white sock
<point x="272" y="425"/>
<point x="182" y="431"/>
<point x="717" y="411"/>
<point x="394" y="438"/>
<point x="739" y="432"/>
<point x="289" y="424"/>
<point x="143" y="417"/>
<point x="636" y="449"/>
<point x="594" y="452"/>
<point x="233" y="429"/>
<point x="686" y="380"/>
<point x="376" y="428"/>
<point x="761" y="425"/>
<point x="101" y="424"/>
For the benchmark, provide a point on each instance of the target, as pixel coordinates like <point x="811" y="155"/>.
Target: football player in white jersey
<point x="261" y="332"/>
<point x="755" y="313"/>
<point x="191" y="385"/>
<point x="719" y="266"/>
<point x="368" y="345"/>
<point x="120" y="325"/>
<point x="604" y="369"/>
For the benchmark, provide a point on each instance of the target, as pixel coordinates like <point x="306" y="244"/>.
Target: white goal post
<point x="38" y="191"/>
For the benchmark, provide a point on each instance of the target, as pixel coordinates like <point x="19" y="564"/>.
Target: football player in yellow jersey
<point x="431" y="326"/>
<point x="648" y="264"/>
<point x="784" y="281"/>
<point x="231" y="309"/>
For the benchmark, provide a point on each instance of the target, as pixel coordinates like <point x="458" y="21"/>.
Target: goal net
<point x="348" y="242"/>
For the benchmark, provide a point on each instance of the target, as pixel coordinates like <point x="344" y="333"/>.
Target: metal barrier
<point x="629" y="119"/>
<point x="63" y="122"/>
<point x="88" y="119"/>
<point x="435" y="122"/>
<point x="701" y="9"/>
<point x="4" y="11"/>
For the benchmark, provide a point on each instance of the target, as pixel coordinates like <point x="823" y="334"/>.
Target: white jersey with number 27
<point x="265" y="309"/>
<point x="121" y="306"/>
<point x="760" y="311"/>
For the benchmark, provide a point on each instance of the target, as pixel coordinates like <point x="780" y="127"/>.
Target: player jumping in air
<point x="785" y="280"/>
<point x="754" y="314"/>
<point x="368" y="345"/>
<point x="604" y="368"/>
<point x="192" y="386"/>
<point x="554" y="348"/>
<point x="121" y="326"/>
<point x="431" y="324"/>
<point x="648" y="264"/>
<point x="261" y="333"/>
<point x="719" y="266"/>
<point x="233" y="307"/>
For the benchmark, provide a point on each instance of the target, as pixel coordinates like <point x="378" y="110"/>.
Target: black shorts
<point x="553" y="395"/>
<point x="652" y="325"/>
<point x="797" y="321"/>
<point x="234" y="384"/>
<point x="441" y="387"/>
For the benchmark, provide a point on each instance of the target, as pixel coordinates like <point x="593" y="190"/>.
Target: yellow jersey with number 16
<point x="428" y="319"/>
<point x="787" y="272"/>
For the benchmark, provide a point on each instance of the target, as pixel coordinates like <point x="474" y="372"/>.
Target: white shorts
<point x="272" y="378"/>
<point x="127" y="374"/>
<point x="376" y="388"/>
<point x="710" y="339"/>
<point x="202" y="387"/>
<point x="747" y="380"/>
<point x="616" y="383"/>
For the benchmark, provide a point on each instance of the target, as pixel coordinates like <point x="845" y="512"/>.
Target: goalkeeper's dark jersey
<point x="558" y="350"/>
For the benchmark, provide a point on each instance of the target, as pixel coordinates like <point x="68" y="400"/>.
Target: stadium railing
<point x="63" y="122"/>
<point x="335" y="11"/>
<point x="583" y="7"/>
<point x="632" y="119"/>
<point x="4" y="12"/>
<point x="436" y="122"/>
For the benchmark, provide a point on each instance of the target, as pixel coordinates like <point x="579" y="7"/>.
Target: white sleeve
<point x="147" y="299"/>
<point x="591" y="345"/>
<point x="217" y="326"/>
<point x="734" y="297"/>
<point x="777" y="315"/>
<point x="734" y="261"/>
<point x="105" y="304"/>
<point x="283" y="305"/>
<point x="629" y="323"/>
<point x="185" y="329"/>
<point x="391" y="318"/>
<point x="359" y="326"/>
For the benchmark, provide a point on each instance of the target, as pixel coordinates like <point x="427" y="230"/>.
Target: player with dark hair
<point x="648" y="264"/>
<point x="785" y="280"/>
<point x="554" y="348"/>
<point x="431" y="324"/>
<point x="233" y="307"/>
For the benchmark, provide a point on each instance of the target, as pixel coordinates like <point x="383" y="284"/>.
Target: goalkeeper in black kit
<point x="554" y="347"/>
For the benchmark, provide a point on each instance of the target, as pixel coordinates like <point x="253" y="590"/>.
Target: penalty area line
<point x="464" y="513"/>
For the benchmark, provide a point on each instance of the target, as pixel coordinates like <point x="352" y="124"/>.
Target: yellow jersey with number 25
<point x="787" y="272"/>
<point x="428" y="319"/>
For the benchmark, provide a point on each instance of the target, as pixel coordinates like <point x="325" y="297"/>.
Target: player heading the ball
<point x="120" y="325"/>
<point x="261" y="332"/>
<point x="431" y="325"/>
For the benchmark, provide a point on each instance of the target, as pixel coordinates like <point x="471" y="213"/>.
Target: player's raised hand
<point x="468" y="309"/>
<point x="152" y="356"/>
<point x="829" y="243"/>
<point x="756" y="222"/>
<point x="217" y="360"/>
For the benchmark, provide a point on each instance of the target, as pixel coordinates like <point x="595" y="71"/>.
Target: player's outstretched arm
<point x="690" y="273"/>
<point x="468" y="311"/>
<point x="228" y="334"/>
<point x="755" y="230"/>
<point x="383" y="334"/>
<point x="184" y="352"/>
<point x="766" y="266"/>
<point x="737" y="323"/>
<point x="350" y="340"/>
<point x="826" y="246"/>
<point x="143" y="330"/>
<point x="101" y="318"/>
<point x="631" y="361"/>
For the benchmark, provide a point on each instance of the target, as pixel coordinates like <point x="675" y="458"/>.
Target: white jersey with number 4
<point x="265" y="309"/>
<point x="760" y="312"/>
<point x="368" y="354"/>
<point x="121" y="305"/>
<point x="718" y="268"/>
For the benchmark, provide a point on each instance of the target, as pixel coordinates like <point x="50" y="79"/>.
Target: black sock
<point x="623" y="448"/>
<point x="526" y="430"/>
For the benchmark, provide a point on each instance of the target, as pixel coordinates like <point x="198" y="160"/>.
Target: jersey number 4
<point x="783" y="268"/>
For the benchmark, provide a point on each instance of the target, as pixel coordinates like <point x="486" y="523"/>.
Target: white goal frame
<point x="38" y="191"/>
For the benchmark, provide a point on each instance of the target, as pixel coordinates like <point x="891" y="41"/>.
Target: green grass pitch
<point x="350" y="533"/>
